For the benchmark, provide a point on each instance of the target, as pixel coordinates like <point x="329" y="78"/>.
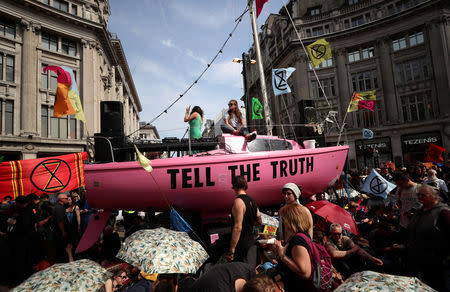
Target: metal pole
<point x="189" y="130"/>
<point x="342" y="128"/>
<point x="245" y="61"/>
<point x="261" y="70"/>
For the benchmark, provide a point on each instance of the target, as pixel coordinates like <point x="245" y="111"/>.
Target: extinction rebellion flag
<point x="42" y="176"/>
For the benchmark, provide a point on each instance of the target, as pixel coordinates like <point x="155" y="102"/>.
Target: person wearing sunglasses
<point x="234" y="122"/>
<point x="342" y="250"/>
<point x="116" y="282"/>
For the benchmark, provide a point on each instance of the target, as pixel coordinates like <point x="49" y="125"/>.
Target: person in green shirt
<point x="195" y="119"/>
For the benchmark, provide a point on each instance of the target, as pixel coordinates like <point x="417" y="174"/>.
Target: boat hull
<point x="203" y="183"/>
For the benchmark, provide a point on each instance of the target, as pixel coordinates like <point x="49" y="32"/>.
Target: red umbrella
<point x="334" y="214"/>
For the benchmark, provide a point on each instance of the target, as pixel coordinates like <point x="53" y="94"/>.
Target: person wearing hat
<point x="291" y="194"/>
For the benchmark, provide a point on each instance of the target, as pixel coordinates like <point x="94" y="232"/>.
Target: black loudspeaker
<point x="102" y="148"/>
<point x="307" y="110"/>
<point x="111" y="115"/>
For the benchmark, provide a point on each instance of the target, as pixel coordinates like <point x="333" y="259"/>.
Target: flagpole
<point x="343" y="124"/>
<point x="261" y="69"/>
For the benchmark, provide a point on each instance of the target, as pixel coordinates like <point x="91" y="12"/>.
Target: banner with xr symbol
<point x="279" y="80"/>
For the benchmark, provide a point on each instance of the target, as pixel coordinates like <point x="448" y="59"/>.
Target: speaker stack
<point x="112" y="129"/>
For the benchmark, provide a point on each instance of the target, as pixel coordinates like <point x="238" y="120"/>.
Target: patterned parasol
<point x="372" y="281"/>
<point x="82" y="275"/>
<point x="162" y="250"/>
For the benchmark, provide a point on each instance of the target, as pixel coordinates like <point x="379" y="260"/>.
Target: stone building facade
<point x="399" y="48"/>
<point x="36" y="33"/>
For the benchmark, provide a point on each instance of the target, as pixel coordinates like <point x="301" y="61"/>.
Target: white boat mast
<point x="261" y="70"/>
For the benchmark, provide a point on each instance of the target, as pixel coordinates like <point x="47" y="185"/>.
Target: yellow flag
<point x="143" y="161"/>
<point x="319" y="51"/>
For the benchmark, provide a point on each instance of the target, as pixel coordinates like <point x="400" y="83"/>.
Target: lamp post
<point x="245" y="60"/>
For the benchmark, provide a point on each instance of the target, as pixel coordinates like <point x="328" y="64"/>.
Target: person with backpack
<point x="303" y="264"/>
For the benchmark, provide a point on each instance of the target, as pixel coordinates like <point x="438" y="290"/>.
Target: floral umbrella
<point x="372" y="281"/>
<point x="164" y="251"/>
<point x="82" y="275"/>
<point x="269" y="220"/>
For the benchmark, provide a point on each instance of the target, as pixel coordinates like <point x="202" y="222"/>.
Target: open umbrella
<point x="334" y="214"/>
<point x="372" y="281"/>
<point x="163" y="251"/>
<point x="269" y="220"/>
<point x="81" y="275"/>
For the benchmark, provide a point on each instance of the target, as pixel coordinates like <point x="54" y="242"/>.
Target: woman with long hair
<point x="116" y="282"/>
<point x="234" y="122"/>
<point x="293" y="255"/>
<point x="195" y="119"/>
<point x="73" y="215"/>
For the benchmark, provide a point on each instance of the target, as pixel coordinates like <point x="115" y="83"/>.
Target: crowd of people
<point x="406" y="234"/>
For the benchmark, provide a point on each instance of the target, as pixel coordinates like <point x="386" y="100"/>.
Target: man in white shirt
<point x="406" y="197"/>
<point x="433" y="178"/>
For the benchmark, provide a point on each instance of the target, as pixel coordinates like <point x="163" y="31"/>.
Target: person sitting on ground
<point x="260" y="283"/>
<point x="195" y="119"/>
<point x="116" y="282"/>
<point x="294" y="259"/>
<point x="224" y="278"/>
<point x="291" y="194"/>
<point x="234" y="122"/>
<point x="341" y="249"/>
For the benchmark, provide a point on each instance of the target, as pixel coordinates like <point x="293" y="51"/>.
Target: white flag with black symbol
<point x="367" y="134"/>
<point x="377" y="185"/>
<point x="279" y="80"/>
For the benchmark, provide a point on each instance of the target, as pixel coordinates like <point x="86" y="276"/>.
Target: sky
<point x="168" y="43"/>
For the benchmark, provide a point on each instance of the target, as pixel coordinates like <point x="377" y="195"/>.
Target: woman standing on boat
<point x="234" y="122"/>
<point x="195" y="120"/>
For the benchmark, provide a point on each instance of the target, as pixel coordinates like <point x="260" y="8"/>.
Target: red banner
<point x="42" y="176"/>
<point x="434" y="153"/>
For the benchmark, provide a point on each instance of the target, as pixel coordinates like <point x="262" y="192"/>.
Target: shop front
<point x="415" y="146"/>
<point x="374" y="152"/>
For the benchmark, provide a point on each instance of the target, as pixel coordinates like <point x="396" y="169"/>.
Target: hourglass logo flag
<point x="279" y="80"/>
<point x="256" y="109"/>
<point x="367" y="134"/>
<point x="319" y="51"/>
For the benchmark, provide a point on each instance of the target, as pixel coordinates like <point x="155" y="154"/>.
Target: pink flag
<point x="259" y="6"/>
<point x="368" y="104"/>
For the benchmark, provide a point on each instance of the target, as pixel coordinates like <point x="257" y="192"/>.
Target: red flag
<point x="434" y="153"/>
<point x="259" y="6"/>
<point x="368" y="104"/>
<point x="42" y="175"/>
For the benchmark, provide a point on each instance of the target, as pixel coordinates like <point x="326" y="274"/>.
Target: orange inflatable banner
<point x="42" y="176"/>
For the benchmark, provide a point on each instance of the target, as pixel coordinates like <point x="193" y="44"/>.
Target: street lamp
<point x="237" y="60"/>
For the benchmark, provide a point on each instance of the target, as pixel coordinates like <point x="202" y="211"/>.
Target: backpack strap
<point x="310" y="247"/>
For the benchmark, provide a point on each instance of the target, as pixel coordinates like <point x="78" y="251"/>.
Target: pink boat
<point x="202" y="183"/>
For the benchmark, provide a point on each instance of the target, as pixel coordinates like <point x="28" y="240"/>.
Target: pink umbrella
<point x="334" y="214"/>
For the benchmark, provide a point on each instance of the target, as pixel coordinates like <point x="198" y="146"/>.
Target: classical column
<point x="301" y="81"/>
<point x="29" y="73"/>
<point x="387" y="80"/>
<point x="343" y="86"/>
<point x="439" y="50"/>
<point x="87" y="88"/>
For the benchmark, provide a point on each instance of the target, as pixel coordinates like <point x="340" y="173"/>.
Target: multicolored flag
<point x="259" y="6"/>
<point x="256" y="109"/>
<point x="319" y="51"/>
<point x="67" y="96"/>
<point x="361" y="100"/>
<point x="42" y="175"/>
<point x="434" y="153"/>
<point x="279" y="80"/>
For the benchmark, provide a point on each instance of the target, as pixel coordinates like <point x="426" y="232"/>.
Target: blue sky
<point x="169" y="42"/>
